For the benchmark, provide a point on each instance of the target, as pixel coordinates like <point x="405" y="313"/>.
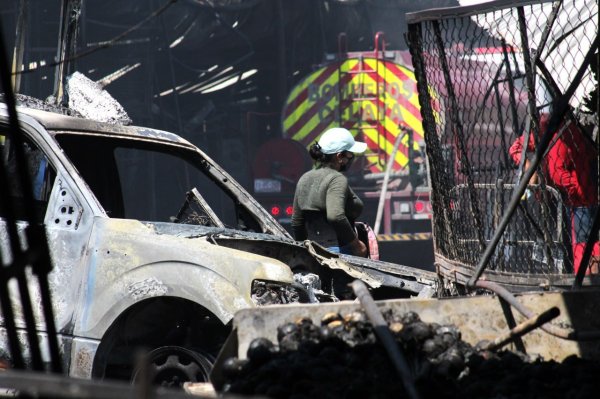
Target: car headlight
<point x="276" y="293"/>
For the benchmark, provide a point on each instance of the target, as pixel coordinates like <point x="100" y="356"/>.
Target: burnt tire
<point x="172" y="366"/>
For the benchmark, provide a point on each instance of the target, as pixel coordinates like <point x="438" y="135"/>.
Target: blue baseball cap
<point x="339" y="139"/>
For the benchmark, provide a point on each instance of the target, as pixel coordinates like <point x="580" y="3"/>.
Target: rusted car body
<point x="166" y="272"/>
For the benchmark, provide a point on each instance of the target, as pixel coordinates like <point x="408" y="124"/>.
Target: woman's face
<point x="345" y="159"/>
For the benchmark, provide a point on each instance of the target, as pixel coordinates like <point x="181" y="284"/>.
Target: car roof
<point x="58" y="122"/>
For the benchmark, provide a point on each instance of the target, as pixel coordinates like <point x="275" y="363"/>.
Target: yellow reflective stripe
<point x="306" y="105"/>
<point x="310" y="79"/>
<point x="390" y="77"/>
<point x="332" y="105"/>
<point x="404" y="237"/>
<point x="388" y="145"/>
<point x="315" y="119"/>
<point x="293" y="117"/>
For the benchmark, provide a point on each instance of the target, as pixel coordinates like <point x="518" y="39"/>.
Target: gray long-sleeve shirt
<point x="325" y="207"/>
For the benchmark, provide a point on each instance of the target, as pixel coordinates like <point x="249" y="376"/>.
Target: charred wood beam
<point x="556" y="92"/>
<point x="502" y="128"/>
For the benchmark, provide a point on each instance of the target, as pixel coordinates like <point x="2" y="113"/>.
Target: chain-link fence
<point x="504" y="86"/>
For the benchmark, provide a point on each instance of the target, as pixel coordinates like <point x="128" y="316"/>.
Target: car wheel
<point x="171" y="366"/>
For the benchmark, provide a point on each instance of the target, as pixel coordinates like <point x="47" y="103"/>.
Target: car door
<point x="67" y="217"/>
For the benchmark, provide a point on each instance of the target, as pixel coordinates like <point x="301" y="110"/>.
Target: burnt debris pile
<point x="341" y="358"/>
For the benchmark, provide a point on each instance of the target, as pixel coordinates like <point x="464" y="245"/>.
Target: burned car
<point x="155" y="246"/>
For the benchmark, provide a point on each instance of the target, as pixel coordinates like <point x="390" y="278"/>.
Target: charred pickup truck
<point x="164" y="272"/>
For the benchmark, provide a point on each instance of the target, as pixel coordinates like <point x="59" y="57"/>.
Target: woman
<point x="325" y="207"/>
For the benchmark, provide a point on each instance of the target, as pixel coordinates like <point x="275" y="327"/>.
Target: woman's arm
<point x="335" y="202"/>
<point x="298" y="227"/>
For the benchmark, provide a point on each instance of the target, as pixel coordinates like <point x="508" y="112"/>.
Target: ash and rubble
<point x="90" y="100"/>
<point x="35" y="103"/>
<point x="340" y="358"/>
<point x="86" y="99"/>
<point x="306" y="288"/>
<point x="311" y="283"/>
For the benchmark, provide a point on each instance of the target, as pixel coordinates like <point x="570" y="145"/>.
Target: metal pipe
<point x="379" y="175"/>
<point x="386" y="179"/>
<point x="550" y="328"/>
<point x="385" y="337"/>
<point x="523" y="328"/>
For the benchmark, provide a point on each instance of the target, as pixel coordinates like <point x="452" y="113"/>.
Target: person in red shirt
<point x="570" y="166"/>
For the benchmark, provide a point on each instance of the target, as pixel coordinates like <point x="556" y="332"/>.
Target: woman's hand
<point x="358" y="248"/>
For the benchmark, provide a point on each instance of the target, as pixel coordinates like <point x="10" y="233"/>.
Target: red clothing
<point x="568" y="164"/>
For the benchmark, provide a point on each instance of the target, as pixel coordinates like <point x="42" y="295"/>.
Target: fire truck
<point x="372" y="94"/>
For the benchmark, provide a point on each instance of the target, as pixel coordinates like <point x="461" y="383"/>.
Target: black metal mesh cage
<point x="491" y="79"/>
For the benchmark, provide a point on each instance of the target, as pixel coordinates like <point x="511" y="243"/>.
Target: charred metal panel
<point x="65" y="211"/>
<point x="129" y="262"/>
<point x="55" y="121"/>
<point x="307" y="256"/>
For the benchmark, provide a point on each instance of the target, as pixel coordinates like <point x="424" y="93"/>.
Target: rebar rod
<point x="523" y="328"/>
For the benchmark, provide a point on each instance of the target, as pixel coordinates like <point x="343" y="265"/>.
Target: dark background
<point x="196" y="44"/>
<point x="192" y="43"/>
